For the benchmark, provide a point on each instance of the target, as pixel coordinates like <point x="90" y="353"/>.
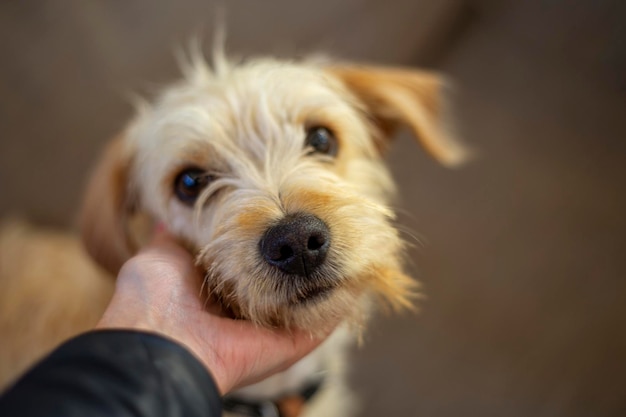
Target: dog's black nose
<point x="297" y="245"/>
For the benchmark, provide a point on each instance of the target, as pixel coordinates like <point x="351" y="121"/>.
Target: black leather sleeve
<point x="115" y="374"/>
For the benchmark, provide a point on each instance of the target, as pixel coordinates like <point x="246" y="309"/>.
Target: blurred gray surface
<point x="521" y="257"/>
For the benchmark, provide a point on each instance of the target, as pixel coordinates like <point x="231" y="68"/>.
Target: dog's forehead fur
<point x="249" y="105"/>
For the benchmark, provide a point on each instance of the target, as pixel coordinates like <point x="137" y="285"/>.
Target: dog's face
<point x="271" y="172"/>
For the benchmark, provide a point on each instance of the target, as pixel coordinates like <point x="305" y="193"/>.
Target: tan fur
<point x="106" y="208"/>
<point x="49" y="291"/>
<point x="245" y="125"/>
<point x="400" y="96"/>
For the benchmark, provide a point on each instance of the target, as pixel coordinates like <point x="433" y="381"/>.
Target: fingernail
<point x="159" y="227"/>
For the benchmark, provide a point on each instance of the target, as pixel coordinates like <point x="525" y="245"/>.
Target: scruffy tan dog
<point x="271" y="172"/>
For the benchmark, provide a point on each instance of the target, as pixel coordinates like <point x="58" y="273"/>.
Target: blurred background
<point x="523" y="250"/>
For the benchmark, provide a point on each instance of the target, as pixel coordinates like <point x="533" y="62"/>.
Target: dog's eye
<point x="190" y="183"/>
<point x="321" y="140"/>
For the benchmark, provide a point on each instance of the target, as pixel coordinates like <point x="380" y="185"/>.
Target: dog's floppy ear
<point x="394" y="97"/>
<point x="107" y="207"/>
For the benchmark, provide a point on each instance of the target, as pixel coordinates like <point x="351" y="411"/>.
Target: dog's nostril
<point x="315" y="242"/>
<point x="297" y="245"/>
<point x="285" y="253"/>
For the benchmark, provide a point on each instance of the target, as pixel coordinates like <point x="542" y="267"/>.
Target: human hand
<point x="159" y="290"/>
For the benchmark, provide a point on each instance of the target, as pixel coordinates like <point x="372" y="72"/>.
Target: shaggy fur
<point x="245" y="125"/>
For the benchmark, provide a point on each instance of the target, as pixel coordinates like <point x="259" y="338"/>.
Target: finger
<point x="290" y="341"/>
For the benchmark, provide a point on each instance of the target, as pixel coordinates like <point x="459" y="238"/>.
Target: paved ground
<point x="522" y="255"/>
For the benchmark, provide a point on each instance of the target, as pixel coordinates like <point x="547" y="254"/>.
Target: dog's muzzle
<point x="297" y="244"/>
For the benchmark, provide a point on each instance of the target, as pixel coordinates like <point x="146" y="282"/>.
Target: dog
<point x="272" y="173"/>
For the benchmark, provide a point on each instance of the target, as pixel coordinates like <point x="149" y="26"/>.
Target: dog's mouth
<point x="311" y="295"/>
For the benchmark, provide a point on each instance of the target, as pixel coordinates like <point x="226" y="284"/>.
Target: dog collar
<point x="289" y="405"/>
